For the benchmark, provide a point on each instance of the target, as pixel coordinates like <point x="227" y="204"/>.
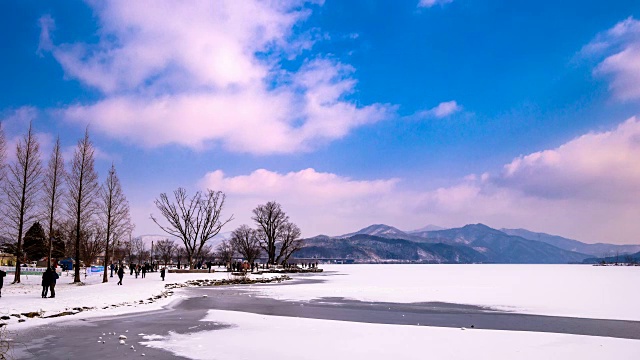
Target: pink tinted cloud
<point x="601" y="165"/>
<point x="620" y="46"/>
<point x="442" y="110"/>
<point x="201" y="73"/>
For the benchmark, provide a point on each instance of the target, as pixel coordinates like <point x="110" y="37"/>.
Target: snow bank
<point x="92" y="294"/>
<point x="276" y="337"/>
<point x="603" y="292"/>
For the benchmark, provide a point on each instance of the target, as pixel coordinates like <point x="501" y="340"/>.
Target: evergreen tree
<point x="35" y="243"/>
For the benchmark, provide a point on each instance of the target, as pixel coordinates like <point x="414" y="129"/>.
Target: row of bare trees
<point x="196" y="220"/>
<point x="71" y="202"/>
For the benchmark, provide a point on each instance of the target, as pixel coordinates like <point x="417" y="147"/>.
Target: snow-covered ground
<point x="92" y="293"/>
<point x="603" y="292"/>
<point x="568" y="290"/>
<point x="274" y="337"/>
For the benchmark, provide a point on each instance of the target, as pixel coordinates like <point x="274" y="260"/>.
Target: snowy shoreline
<point x="21" y="307"/>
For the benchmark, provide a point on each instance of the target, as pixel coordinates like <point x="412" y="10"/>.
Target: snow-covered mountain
<point x="379" y="230"/>
<point x="598" y="249"/>
<point x="470" y="243"/>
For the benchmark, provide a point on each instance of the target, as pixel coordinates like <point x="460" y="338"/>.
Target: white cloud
<point x="47" y="25"/>
<point x="588" y="188"/>
<point x="318" y="201"/>
<point x="430" y="3"/>
<point x="442" y="110"/>
<point x="621" y="47"/>
<point x="202" y="73"/>
<point x="602" y="166"/>
<point x="17" y="120"/>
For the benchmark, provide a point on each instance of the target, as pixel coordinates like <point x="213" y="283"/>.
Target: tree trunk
<point x="106" y="249"/>
<point x="76" y="276"/>
<point x="105" y="278"/>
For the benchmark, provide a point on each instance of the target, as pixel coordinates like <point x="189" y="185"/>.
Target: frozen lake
<point x="601" y="292"/>
<point x="308" y="317"/>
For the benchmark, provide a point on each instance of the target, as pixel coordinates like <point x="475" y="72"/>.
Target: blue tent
<point x="66" y="264"/>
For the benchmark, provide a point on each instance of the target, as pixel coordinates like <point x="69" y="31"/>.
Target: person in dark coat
<point x="162" y="272"/>
<point x="53" y="276"/>
<point x="144" y="271"/>
<point x="2" y="275"/>
<point x="46" y="279"/>
<point x="120" y="274"/>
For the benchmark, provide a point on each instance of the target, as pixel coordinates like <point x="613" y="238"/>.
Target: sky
<point x="514" y="114"/>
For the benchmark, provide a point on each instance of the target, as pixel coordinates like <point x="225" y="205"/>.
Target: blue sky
<point x="510" y="113"/>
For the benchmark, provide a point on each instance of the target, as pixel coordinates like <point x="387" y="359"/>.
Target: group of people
<point x="49" y="278"/>
<point x="137" y="269"/>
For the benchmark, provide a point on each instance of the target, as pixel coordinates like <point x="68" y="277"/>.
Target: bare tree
<point x="205" y="253"/>
<point x="269" y="218"/>
<point x="193" y="220"/>
<point x="245" y="241"/>
<point x="225" y="252"/>
<point x="82" y="183"/>
<point x="22" y="189"/>
<point x="64" y="232"/>
<point x="180" y="253"/>
<point x="53" y="191"/>
<point x="119" y="251"/>
<point x="165" y="249"/>
<point x="138" y="249"/>
<point x="145" y="255"/>
<point x="128" y="252"/>
<point x="92" y="244"/>
<point x="113" y="213"/>
<point x="290" y="242"/>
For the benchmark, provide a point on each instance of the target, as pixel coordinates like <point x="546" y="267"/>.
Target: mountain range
<point x="474" y="243"/>
<point x="598" y="249"/>
<point x="617" y="259"/>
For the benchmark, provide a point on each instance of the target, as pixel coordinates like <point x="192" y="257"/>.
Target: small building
<point x="7" y="259"/>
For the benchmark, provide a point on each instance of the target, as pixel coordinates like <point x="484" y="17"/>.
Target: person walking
<point x="2" y="275"/>
<point x="144" y="271"/>
<point x="162" y="272"/>
<point x="46" y="279"/>
<point x="53" y="276"/>
<point x="120" y="274"/>
<point x="112" y="267"/>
